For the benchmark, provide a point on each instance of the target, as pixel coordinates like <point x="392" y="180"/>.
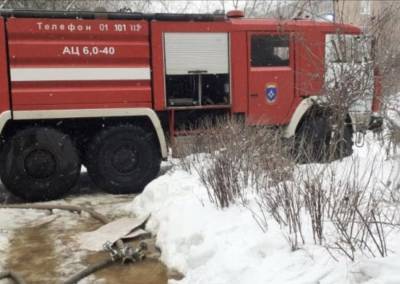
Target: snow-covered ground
<point x="213" y="246"/>
<point x="209" y="245"/>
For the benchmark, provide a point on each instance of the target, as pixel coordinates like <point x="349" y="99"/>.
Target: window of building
<point x="269" y="50"/>
<point x="365" y="7"/>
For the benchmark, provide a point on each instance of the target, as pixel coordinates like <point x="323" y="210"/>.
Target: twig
<point x="371" y="234"/>
<point x="70" y="4"/>
<point x="330" y="253"/>
<point x="12" y="275"/>
<point x="5" y="2"/>
<point x="345" y="251"/>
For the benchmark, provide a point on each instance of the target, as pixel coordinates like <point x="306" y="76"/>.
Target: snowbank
<point x="227" y="246"/>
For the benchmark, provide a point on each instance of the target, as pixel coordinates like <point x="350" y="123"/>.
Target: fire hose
<point x="118" y="254"/>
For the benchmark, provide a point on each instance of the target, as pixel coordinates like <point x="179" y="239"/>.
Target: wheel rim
<point x="125" y="159"/>
<point x="40" y="164"/>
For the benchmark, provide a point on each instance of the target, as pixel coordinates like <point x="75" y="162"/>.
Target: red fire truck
<point x="102" y="89"/>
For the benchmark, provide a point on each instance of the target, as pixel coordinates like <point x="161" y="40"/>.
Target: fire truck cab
<point x="103" y="89"/>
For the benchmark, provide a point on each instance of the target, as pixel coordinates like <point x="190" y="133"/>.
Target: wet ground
<point x="47" y="252"/>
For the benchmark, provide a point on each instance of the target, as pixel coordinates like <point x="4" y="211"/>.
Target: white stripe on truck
<point x="90" y="113"/>
<point x="22" y="74"/>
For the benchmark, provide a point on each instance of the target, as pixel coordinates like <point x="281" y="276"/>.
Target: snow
<point x="10" y="218"/>
<point x="215" y="246"/>
<point x="393" y="109"/>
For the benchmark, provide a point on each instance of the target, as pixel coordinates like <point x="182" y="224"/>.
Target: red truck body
<point x="64" y="64"/>
<point x="102" y="66"/>
<point x="83" y="64"/>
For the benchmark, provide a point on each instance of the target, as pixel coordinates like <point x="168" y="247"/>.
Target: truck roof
<point x="296" y="24"/>
<point x="245" y="23"/>
<point x="110" y="15"/>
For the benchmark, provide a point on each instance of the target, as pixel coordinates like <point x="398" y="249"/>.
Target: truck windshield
<point x="347" y="48"/>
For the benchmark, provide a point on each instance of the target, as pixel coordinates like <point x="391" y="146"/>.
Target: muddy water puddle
<point x="32" y="254"/>
<point x="148" y="271"/>
<point x="49" y="254"/>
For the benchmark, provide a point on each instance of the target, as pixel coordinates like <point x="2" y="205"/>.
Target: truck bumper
<point x="363" y="121"/>
<point x="375" y="123"/>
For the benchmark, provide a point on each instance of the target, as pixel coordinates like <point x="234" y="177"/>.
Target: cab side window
<point x="269" y="50"/>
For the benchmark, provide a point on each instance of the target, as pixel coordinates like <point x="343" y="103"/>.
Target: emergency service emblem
<point x="271" y="92"/>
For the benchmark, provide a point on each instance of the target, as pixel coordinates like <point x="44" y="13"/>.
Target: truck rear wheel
<point x="123" y="159"/>
<point x="39" y="164"/>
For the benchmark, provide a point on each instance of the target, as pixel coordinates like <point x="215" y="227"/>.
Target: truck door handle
<point x="253" y="95"/>
<point x="197" y="71"/>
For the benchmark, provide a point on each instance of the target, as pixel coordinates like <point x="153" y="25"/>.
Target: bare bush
<point x="391" y="136"/>
<point x="343" y="208"/>
<point x="386" y="54"/>
<point x="284" y="203"/>
<point x="361" y="226"/>
<point x="316" y="202"/>
<point x="350" y="200"/>
<point x="348" y="89"/>
<point x="235" y="156"/>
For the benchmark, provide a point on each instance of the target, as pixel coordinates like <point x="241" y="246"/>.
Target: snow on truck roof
<point x="110" y="15"/>
<point x="235" y="17"/>
<point x="299" y="24"/>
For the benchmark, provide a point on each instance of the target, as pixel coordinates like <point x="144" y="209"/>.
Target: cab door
<point x="271" y="77"/>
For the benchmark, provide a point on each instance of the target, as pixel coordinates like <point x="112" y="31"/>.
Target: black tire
<point x="312" y="140"/>
<point x="344" y="143"/>
<point x="123" y="159"/>
<point x="39" y="164"/>
<point x="315" y="141"/>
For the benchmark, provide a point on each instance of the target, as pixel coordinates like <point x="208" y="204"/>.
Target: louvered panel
<point x="193" y="52"/>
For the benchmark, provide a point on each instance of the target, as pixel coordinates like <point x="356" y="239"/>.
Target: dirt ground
<point x="49" y="253"/>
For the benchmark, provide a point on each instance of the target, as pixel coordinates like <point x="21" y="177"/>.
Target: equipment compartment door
<point x="196" y="69"/>
<point x="271" y="78"/>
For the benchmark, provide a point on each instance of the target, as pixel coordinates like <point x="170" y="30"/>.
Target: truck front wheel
<point x="123" y="159"/>
<point x="315" y="141"/>
<point x="39" y="163"/>
<point x="312" y="139"/>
